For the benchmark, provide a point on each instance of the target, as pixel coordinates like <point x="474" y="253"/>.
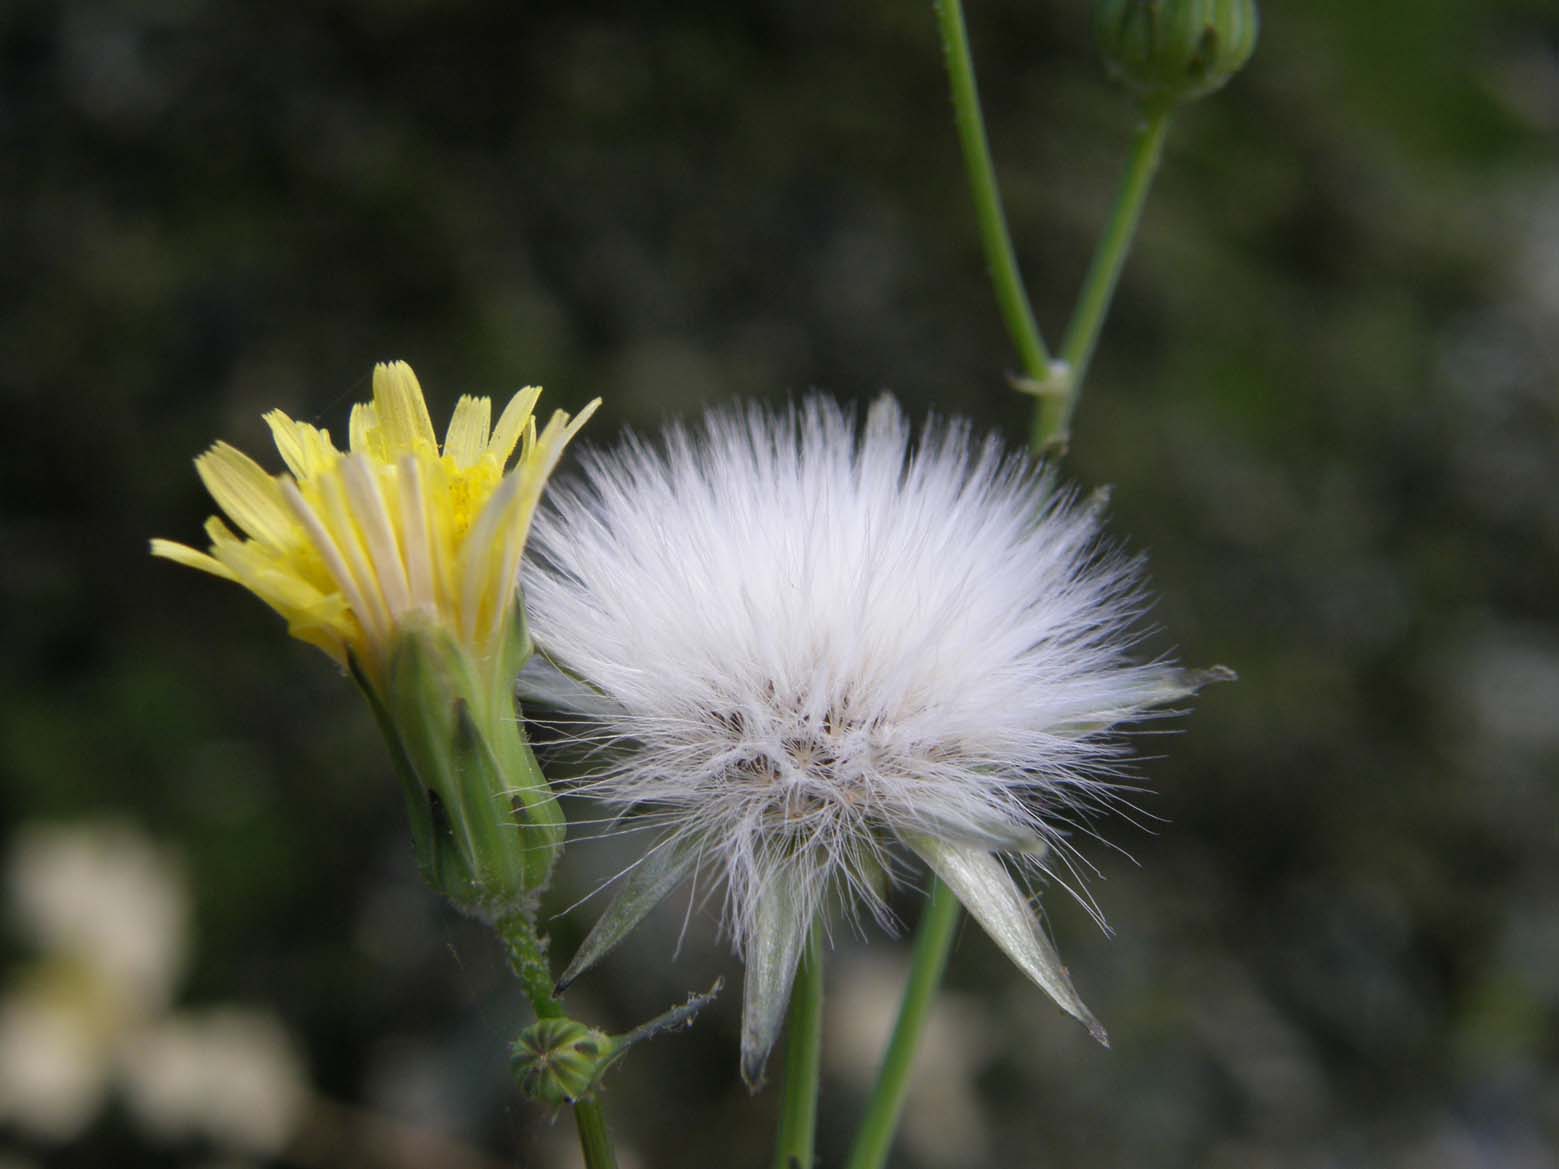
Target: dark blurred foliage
<point x="1326" y="400"/>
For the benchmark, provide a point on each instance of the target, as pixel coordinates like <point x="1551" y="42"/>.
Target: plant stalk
<point x="994" y="237"/>
<point x="933" y="941"/>
<point x="796" y="1144"/>
<point x="1053" y="412"/>
<point x="594" y="1140"/>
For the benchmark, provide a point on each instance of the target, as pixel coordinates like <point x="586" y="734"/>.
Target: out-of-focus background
<point x="1327" y="399"/>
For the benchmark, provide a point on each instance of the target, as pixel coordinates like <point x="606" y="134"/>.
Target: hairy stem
<point x="933" y="941"/>
<point x="527" y="952"/>
<point x="795" y="1146"/>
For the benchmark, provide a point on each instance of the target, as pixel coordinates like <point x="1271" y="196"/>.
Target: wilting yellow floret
<point x="354" y="546"/>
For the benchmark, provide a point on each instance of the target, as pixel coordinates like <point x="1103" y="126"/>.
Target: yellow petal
<point x="352" y="544"/>
<point x="334" y="557"/>
<point x="481" y="558"/>
<point x="321" y="636"/>
<point x="467" y="438"/>
<point x="416" y="535"/>
<point x="190" y="558"/>
<point x="441" y="535"/>
<point x="250" y="497"/>
<point x="366" y="502"/>
<point x="580" y="419"/>
<point x="512" y="422"/>
<point x="321" y="619"/>
<point x="402" y="411"/>
<point x="219" y="534"/>
<point x="528" y="443"/>
<point x="549" y="445"/>
<point x="362" y="429"/>
<point x="305" y="449"/>
<point x="371" y="607"/>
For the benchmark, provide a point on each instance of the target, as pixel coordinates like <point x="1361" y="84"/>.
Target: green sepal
<point x="467" y="750"/>
<point x="644" y="887"/>
<point x="545" y="825"/>
<point x="1167" y="686"/>
<point x="418" y="810"/>
<point x="773" y="953"/>
<point x="993" y="898"/>
<point x="517" y="647"/>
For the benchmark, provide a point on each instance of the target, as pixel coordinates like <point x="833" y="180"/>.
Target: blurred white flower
<point x="229" y="1075"/>
<point x="104" y="895"/>
<point x="53" y="1067"/>
<point x="108" y="911"/>
<point x="806" y="642"/>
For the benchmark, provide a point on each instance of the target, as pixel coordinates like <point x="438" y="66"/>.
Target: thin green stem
<point x="933" y="941"/>
<point x="528" y="959"/>
<point x="794" y="1148"/>
<point x="1053" y="414"/>
<point x="594" y="1141"/>
<point x="999" y="256"/>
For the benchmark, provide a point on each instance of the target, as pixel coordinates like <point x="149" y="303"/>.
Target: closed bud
<point x="557" y="1061"/>
<point x="1172" y="51"/>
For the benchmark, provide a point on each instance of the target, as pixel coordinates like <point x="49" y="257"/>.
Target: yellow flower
<point x="353" y="547"/>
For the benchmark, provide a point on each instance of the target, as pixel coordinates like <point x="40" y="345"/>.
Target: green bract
<point x="486" y="824"/>
<point x="1172" y="51"/>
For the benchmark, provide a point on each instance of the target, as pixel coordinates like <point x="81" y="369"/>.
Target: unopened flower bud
<point x="1172" y="51"/>
<point x="557" y="1061"/>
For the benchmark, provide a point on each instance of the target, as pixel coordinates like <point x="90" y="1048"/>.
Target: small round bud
<point x="1171" y="51"/>
<point x="556" y="1061"/>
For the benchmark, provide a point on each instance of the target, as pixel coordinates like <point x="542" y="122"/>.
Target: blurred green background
<point x="1326" y="399"/>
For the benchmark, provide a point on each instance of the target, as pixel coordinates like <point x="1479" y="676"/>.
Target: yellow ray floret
<point x="352" y="546"/>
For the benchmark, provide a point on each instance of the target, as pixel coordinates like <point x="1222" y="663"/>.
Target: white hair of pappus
<point x="797" y="640"/>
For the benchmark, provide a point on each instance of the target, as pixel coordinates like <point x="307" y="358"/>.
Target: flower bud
<point x="557" y="1061"/>
<point x="1171" y="51"/>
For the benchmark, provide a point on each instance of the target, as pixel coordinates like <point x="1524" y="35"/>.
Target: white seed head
<point x="798" y="641"/>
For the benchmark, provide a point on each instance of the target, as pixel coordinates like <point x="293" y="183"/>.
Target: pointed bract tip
<point x="1096" y="1029"/>
<point x="752" y="1070"/>
<point x="1188" y="681"/>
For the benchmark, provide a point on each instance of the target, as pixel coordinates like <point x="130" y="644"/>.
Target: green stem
<point x="594" y="1141"/>
<point x="1053" y="414"/>
<point x="528" y="959"/>
<point x="803" y="1051"/>
<point x="1003" y="263"/>
<point x="933" y="941"/>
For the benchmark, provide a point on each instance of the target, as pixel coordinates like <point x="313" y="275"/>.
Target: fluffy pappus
<point x="802" y="642"/>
